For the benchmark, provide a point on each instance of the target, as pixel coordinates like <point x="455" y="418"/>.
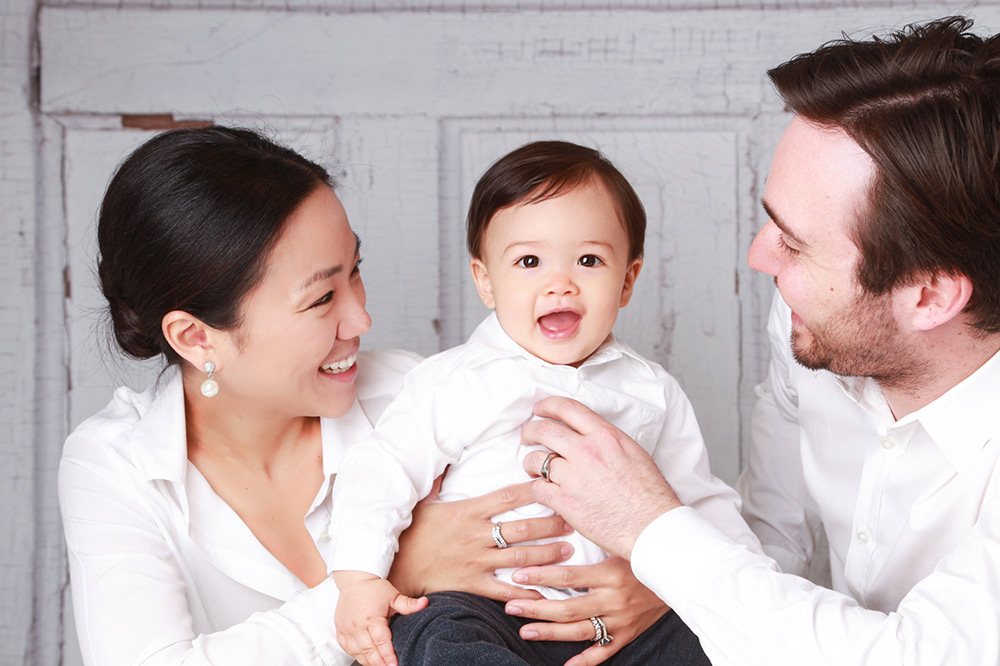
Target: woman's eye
<point x="357" y="268"/>
<point x="590" y="260"/>
<point x="529" y="261"/>
<point x="327" y="297"/>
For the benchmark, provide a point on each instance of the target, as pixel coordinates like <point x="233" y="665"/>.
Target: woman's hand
<point x="627" y="607"/>
<point x="449" y="545"/>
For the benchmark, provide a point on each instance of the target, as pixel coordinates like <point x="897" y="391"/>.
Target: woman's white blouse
<point x="162" y="570"/>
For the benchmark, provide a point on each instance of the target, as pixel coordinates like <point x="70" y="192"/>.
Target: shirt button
<point x="888" y="443"/>
<point x="324" y="536"/>
<point x="863" y="537"/>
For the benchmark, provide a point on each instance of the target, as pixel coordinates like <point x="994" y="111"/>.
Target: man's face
<point x="817" y="186"/>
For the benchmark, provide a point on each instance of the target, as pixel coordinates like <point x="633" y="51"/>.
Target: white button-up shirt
<point x="162" y="570"/>
<point x="465" y="407"/>
<point x="911" y="509"/>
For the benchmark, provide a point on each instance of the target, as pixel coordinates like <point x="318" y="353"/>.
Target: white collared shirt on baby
<point x="464" y="408"/>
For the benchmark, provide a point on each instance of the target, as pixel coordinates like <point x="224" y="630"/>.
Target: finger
<point x="498" y="501"/>
<point x="499" y="591"/>
<point x="581" y="630"/>
<point x="551" y="435"/>
<point x="435" y="488"/>
<point x="550" y="610"/>
<point x="596" y="654"/>
<point x="405" y="605"/>
<point x="612" y="572"/>
<point x="382" y="639"/>
<point x="577" y="416"/>
<point x="530" y="529"/>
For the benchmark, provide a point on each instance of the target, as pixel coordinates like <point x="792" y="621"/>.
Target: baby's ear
<point x="482" y="279"/>
<point x="631" y="273"/>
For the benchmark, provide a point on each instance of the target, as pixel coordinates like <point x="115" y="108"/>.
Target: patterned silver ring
<point x="601" y="635"/>
<point x="544" y="472"/>
<point x="497" y="537"/>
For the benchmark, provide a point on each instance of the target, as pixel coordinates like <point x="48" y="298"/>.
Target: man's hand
<point x="602" y="483"/>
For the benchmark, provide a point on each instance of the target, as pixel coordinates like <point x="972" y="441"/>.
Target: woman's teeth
<point x="339" y="366"/>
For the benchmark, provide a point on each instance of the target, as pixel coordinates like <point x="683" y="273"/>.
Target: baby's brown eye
<point x="529" y="261"/>
<point x="589" y="260"/>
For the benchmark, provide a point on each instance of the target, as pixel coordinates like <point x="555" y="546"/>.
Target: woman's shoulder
<point x="106" y="437"/>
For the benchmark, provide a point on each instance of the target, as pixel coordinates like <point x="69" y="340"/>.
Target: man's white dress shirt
<point x="162" y="570"/>
<point x="911" y="509"/>
<point x="465" y="407"/>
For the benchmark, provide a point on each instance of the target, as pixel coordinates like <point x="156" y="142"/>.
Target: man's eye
<point x="327" y="297"/>
<point x="785" y="247"/>
<point x="529" y="261"/>
<point x="590" y="261"/>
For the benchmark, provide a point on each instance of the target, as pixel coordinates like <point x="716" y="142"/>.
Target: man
<point x="880" y="417"/>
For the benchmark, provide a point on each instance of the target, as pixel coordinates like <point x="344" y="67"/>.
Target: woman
<point x="195" y="512"/>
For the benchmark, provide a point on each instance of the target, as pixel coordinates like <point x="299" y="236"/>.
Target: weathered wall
<point x="409" y="100"/>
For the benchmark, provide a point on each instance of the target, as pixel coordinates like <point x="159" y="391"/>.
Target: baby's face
<point x="557" y="272"/>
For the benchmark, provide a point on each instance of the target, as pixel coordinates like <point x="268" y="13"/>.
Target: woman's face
<point x="294" y="354"/>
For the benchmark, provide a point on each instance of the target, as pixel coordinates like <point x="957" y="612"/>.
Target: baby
<point x="555" y="234"/>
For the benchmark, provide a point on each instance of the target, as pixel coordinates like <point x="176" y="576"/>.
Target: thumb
<point x="405" y="605"/>
<point x="436" y="488"/>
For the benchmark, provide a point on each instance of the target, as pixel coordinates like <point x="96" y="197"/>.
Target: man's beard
<point x="863" y="340"/>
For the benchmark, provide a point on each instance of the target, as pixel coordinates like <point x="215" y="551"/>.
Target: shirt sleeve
<point x="130" y="595"/>
<point x="383" y="477"/>
<point x="746" y="612"/>
<point x="776" y="503"/>
<point x="681" y="455"/>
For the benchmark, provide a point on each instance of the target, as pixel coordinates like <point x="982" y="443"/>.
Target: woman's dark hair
<point x="544" y="170"/>
<point x="187" y="223"/>
<point x="924" y="103"/>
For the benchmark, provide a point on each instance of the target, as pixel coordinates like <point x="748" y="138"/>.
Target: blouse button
<point x="863" y="537"/>
<point x="324" y="536"/>
<point x="888" y="443"/>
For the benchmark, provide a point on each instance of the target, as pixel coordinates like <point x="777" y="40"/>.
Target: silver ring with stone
<point x="497" y="537"/>
<point x="601" y="635"/>
<point x="544" y="472"/>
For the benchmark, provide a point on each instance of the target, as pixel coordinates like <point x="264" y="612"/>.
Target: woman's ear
<point x="189" y="337"/>
<point x="937" y="299"/>
<point x="631" y="274"/>
<point x="482" y="279"/>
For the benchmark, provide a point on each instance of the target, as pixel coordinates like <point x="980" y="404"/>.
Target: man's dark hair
<point x="924" y="103"/>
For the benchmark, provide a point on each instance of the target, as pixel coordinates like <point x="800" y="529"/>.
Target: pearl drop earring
<point x="210" y="387"/>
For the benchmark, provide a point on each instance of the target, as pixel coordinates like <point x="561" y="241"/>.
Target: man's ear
<point x="482" y="279"/>
<point x="189" y="337"/>
<point x="937" y="299"/>
<point x="631" y="273"/>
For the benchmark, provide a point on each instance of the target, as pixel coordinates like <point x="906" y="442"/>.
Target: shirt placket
<point x="870" y="540"/>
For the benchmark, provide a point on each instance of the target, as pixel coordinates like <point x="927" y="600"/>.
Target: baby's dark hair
<point x="544" y="170"/>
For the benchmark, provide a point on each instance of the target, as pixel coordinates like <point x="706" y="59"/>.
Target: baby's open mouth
<point x="559" y="324"/>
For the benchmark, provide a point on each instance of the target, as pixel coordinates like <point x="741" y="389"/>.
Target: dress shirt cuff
<point x="356" y="551"/>
<point x="679" y="556"/>
<point x="313" y="611"/>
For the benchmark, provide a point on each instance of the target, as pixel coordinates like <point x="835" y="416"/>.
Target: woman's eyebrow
<point x="327" y="273"/>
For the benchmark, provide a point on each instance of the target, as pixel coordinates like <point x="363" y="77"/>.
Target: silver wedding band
<point x="544" y="472"/>
<point x="497" y="537"/>
<point x="601" y="635"/>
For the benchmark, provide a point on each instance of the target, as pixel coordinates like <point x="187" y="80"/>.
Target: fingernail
<point x="519" y="578"/>
<point x="567" y="527"/>
<point x="514" y="610"/>
<point x="566" y="550"/>
<point x="529" y="634"/>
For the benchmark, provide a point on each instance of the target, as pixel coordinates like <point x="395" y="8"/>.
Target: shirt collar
<point x="159" y="441"/>
<point x="493" y="343"/>
<point x="960" y="422"/>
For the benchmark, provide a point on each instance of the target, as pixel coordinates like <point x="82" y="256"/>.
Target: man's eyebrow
<point x="327" y="273"/>
<point x="781" y="225"/>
